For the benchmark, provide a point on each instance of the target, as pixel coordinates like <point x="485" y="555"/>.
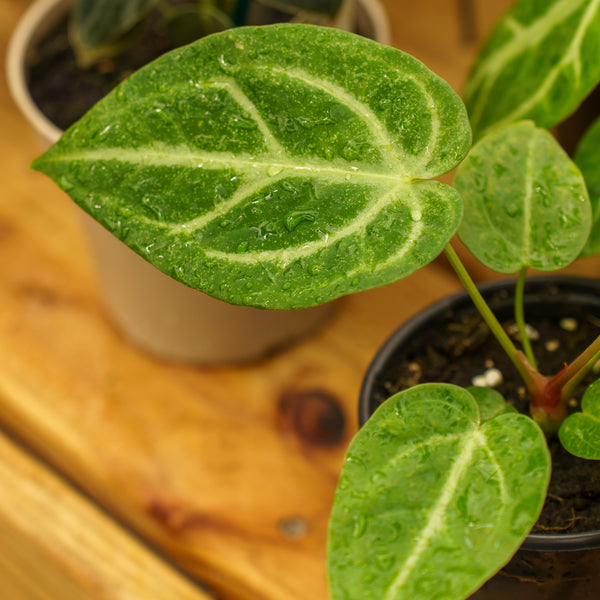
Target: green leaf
<point x="526" y="203"/>
<point x="490" y="402"/>
<point x="587" y="158"/>
<point x="277" y="166"/>
<point x="431" y="503"/>
<point x="539" y="63"/>
<point x="96" y="25"/>
<point x="580" y="431"/>
<point x="186" y="24"/>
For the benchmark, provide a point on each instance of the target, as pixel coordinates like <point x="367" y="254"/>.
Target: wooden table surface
<point x="122" y="476"/>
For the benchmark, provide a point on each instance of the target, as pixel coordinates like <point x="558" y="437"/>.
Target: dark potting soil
<point x="64" y="92"/>
<point x="462" y="347"/>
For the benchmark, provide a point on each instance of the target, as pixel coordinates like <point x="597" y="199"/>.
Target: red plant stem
<point x="549" y="406"/>
<point x="561" y="380"/>
<point x="569" y="388"/>
<point x="546" y="407"/>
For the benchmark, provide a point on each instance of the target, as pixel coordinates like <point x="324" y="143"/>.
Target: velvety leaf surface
<point x="580" y="431"/>
<point x="526" y="203"/>
<point x="540" y="61"/>
<point x="280" y="166"/>
<point x="430" y="502"/>
<point x="587" y="158"/>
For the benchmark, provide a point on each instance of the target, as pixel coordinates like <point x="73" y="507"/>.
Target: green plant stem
<point x="520" y="318"/>
<point x="489" y="317"/>
<point x="569" y="388"/>
<point x="569" y="377"/>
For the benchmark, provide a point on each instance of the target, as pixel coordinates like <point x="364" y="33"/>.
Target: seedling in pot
<point x="101" y="29"/>
<point x="421" y="475"/>
<point x="284" y="166"/>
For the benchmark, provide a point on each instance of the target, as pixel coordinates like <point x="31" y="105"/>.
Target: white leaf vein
<point x="435" y="521"/>
<point x="526" y="37"/>
<point x="273" y="163"/>
<point x="380" y="133"/>
<point x="357" y="226"/>
<point x="245" y="103"/>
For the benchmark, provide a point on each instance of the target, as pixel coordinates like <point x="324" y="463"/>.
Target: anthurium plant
<point x="284" y="166"/>
<point x="103" y="28"/>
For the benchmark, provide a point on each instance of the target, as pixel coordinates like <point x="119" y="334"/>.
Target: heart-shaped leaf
<point x="431" y="502"/>
<point x="526" y="203"/>
<point x="539" y="63"/>
<point x="580" y="431"/>
<point x="277" y="166"/>
<point x="587" y="158"/>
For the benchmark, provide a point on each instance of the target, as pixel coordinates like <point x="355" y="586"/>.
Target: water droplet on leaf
<point x="543" y="194"/>
<point x="293" y="219"/>
<point x="416" y="214"/>
<point x="513" y="210"/>
<point x="384" y="562"/>
<point x="66" y="184"/>
<point x="360" y="526"/>
<point x="227" y="65"/>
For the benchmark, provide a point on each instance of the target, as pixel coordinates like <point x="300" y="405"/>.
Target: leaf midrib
<point x="473" y="441"/>
<point x="571" y="56"/>
<point x="348" y="174"/>
<point x="166" y="156"/>
<point x="527" y="206"/>
<point x="489" y="69"/>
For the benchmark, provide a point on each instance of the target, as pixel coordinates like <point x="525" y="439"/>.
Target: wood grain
<point x="57" y="544"/>
<point x="229" y="472"/>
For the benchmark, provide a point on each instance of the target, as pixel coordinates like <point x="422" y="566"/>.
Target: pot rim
<point x="41" y="15"/>
<point x="535" y="541"/>
<point x="35" y="22"/>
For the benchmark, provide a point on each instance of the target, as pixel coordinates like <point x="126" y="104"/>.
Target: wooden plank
<point x="54" y="543"/>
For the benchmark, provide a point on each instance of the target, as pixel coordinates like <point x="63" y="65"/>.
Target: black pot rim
<point x="534" y="541"/>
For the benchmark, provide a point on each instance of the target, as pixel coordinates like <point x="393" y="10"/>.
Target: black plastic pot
<point x="547" y="567"/>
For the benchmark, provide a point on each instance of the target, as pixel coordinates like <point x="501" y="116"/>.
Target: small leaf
<point x="580" y="432"/>
<point x="490" y="402"/>
<point x="539" y="63"/>
<point x="186" y="24"/>
<point x="96" y="25"/>
<point x="431" y="503"/>
<point x="526" y="203"/>
<point x="587" y="158"/>
<point x="203" y="161"/>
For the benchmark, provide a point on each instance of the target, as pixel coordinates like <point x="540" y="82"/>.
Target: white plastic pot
<point x="157" y="313"/>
